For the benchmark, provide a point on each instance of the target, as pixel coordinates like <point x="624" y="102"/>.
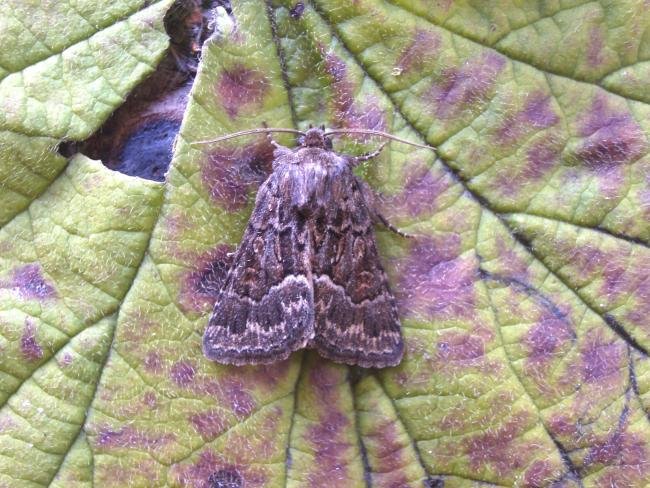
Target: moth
<point x="307" y="273"/>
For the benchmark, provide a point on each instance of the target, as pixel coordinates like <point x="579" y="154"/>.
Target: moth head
<point x="315" y="137"/>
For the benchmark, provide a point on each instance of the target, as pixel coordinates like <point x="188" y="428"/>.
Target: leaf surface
<point x="524" y="296"/>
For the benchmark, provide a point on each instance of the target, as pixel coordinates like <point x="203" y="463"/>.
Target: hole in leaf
<point x="138" y="137"/>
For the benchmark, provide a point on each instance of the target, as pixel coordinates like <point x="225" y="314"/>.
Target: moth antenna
<point x="247" y="132"/>
<point x="377" y="133"/>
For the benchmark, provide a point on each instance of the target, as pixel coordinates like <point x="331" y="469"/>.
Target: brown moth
<point x="307" y="272"/>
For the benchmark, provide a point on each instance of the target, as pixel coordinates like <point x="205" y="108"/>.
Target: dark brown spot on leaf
<point x="297" y="10"/>
<point x="226" y="478"/>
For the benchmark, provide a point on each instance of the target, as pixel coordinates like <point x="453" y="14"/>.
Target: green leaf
<point x="65" y="67"/>
<point x="524" y="296"/>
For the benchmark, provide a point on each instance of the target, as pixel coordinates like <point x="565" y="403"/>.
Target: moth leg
<point x="279" y="148"/>
<point x="354" y="160"/>
<point x="272" y="141"/>
<point x="371" y="202"/>
<point x="391" y="227"/>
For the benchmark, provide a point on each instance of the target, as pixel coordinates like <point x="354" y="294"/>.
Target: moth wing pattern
<point x="265" y="309"/>
<point x="356" y="315"/>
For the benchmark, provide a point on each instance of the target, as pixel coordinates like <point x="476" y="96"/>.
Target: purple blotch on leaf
<point x="640" y="281"/>
<point x="349" y="111"/>
<point x="201" y="286"/>
<point x="536" y="114"/>
<point x="209" y="424"/>
<point x="424" y="47"/>
<point x="547" y="336"/>
<point x="542" y="156"/>
<point x="422" y="188"/>
<point x="436" y="281"/>
<point x="596" y="44"/>
<point x="231" y="172"/>
<point x="539" y="473"/>
<point x="153" y="362"/>
<point x="621" y="450"/>
<point x="231" y="391"/>
<point x="460" y="88"/>
<point x="511" y="265"/>
<point x="150" y="400"/>
<point x="240" y="87"/>
<point x="498" y="447"/>
<point x="30" y="284"/>
<point x="213" y="469"/>
<point x="602" y="361"/>
<point x="29" y="347"/>
<point x="389" y="450"/>
<point x="329" y="450"/>
<point x="455" y="346"/>
<point x="327" y="437"/>
<point x="538" y="111"/>
<point x="133" y="438"/>
<point x="239" y="398"/>
<point x="182" y="373"/>
<point x="65" y="360"/>
<point x="611" y="137"/>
